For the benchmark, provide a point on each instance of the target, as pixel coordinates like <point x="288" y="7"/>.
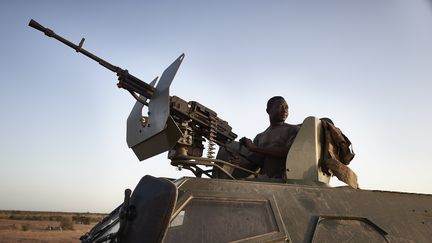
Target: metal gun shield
<point x="160" y="133"/>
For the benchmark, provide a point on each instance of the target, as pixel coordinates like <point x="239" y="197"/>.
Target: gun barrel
<point x="36" y="25"/>
<point x="126" y="80"/>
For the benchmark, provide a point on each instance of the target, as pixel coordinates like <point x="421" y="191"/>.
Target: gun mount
<point x="172" y="124"/>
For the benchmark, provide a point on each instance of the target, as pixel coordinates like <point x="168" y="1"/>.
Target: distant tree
<point x="66" y="223"/>
<point x="97" y="220"/>
<point x="86" y="220"/>
<point x="54" y="218"/>
<point x="25" y="227"/>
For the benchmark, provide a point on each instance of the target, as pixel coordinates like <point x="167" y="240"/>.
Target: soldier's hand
<point x="235" y="159"/>
<point x="247" y="142"/>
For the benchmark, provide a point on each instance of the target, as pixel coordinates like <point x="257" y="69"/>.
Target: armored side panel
<point x="212" y="210"/>
<point x="216" y="210"/>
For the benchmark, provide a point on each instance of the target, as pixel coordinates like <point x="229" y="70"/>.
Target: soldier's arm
<point x="278" y="152"/>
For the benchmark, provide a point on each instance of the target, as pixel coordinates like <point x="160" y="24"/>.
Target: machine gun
<point x="172" y="124"/>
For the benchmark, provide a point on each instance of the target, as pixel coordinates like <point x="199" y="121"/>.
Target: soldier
<point x="270" y="148"/>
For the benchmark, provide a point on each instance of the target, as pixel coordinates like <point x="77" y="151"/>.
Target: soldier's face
<point x="278" y="112"/>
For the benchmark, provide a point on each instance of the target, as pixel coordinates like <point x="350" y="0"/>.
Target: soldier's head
<point x="277" y="108"/>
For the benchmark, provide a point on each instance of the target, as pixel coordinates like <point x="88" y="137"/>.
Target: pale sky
<point x="365" y="64"/>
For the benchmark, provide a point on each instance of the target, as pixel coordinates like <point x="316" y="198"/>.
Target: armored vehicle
<point x="302" y="207"/>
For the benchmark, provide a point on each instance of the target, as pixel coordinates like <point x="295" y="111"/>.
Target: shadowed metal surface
<point x="322" y="214"/>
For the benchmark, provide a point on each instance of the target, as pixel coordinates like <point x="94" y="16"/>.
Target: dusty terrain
<point x="25" y="226"/>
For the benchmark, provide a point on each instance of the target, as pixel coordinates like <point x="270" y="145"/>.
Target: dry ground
<point x="23" y="230"/>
